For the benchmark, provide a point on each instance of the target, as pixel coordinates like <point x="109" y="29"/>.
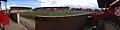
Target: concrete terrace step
<point x="15" y="26"/>
<point x="108" y="26"/>
<point x="28" y="23"/>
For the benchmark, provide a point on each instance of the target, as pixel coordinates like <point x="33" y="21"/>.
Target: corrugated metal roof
<point x="114" y="2"/>
<point x="105" y="3"/>
<point x="22" y="7"/>
<point x="53" y="7"/>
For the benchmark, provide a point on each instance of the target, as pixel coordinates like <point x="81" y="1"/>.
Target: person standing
<point x="4" y="20"/>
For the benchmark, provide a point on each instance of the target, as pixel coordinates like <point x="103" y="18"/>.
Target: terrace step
<point x="16" y="26"/>
<point x="108" y="26"/>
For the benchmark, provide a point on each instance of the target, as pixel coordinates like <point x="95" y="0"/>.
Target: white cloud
<point x="75" y="3"/>
<point x="14" y="5"/>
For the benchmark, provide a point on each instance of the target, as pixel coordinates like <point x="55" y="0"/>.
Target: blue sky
<point x="52" y="3"/>
<point x="32" y="3"/>
<point x="24" y="3"/>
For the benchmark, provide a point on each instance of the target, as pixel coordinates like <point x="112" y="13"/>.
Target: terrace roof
<point x="115" y="3"/>
<point x="105" y="3"/>
<point x="53" y="7"/>
<point x="22" y="7"/>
